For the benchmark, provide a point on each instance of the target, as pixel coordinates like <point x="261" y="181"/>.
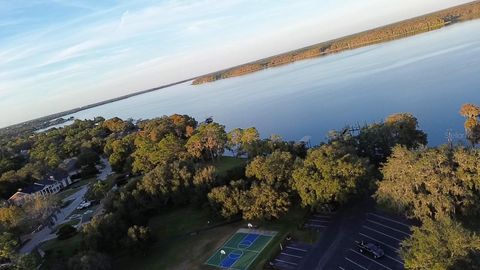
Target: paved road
<point x="338" y="236"/>
<point x="105" y="171"/>
<point x="45" y="233"/>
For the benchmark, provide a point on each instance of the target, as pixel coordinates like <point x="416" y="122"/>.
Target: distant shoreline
<point x="47" y="121"/>
<point x="406" y="28"/>
<point x="382" y="34"/>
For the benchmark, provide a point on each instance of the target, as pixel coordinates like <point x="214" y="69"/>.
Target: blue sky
<point x="60" y="54"/>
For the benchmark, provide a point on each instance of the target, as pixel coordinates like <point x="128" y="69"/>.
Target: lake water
<point x="430" y="75"/>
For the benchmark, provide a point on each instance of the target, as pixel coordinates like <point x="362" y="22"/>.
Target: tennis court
<point x="243" y="247"/>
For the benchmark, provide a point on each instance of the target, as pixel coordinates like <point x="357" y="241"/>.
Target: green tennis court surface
<point x="241" y="249"/>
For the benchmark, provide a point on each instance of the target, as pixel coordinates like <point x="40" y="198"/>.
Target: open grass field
<point x="59" y="250"/>
<point x="241" y="250"/>
<point x="177" y="250"/>
<point x="224" y="164"/>
<point x="287" y="225"/>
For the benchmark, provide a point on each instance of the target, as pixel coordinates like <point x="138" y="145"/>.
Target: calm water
<point x="430" y="75"/>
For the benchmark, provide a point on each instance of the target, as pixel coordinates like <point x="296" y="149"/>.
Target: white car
<point x="83" y="205"/>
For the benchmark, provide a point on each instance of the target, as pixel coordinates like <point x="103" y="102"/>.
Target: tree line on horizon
<point x="398" y="30"/>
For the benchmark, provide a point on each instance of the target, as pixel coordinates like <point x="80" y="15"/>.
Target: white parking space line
<point x="398" y="222"/>
<point x="322" y="216"/>
<point x="341" y="268"/>
<point x="386" y="267"/>
<point x="393" y="229"/>
<point x="319" y="220"/>
<point x="355" y="263"/>
<point x="369" y="228"/>
<point x="282" y="261"/>
<point x="315" y="225"/>
<point x="294" y="248"/>
<point x="400" y="262"/>
<point x="376" y="240"/>
<point x="291" y="255"/>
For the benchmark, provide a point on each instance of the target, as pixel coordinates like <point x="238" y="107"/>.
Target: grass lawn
<point x="288" y="224"/>
<point x="73" y="222"/>
<point x="59" y="250"/>
<point x="67" y="192"/>
<point x="83" y="182"/>
<point x="224" y="164"/>
<point x="173" y="250"/>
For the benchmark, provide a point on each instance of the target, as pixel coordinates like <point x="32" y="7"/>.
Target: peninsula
<point x="390" y="32"/>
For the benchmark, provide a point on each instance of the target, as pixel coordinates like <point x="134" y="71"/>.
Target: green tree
<point x="8" y="244"/>
<point x="472" y="125"/>
<point x="208" y="141"/>
<point x="203" y="181"/>
<point x="117" y="125"/>
<point x="331" y="173"/>
<point x="376" y="141"/>
<point x="88" y="157"/>
<point x="438" y="245"/>
<point x="275" y="169"/>
<point x="26" y="262"/>
<point x="169" y="149"/>
<point x="139" y="237"/>
<point x="263" y="202"/>
<point x="10" y="217"/>
<point x="430" y="183"/>
<point x="104" y="233"/>
<point x="90" y="260"/>
<point x="97" y="191"/>
<point x="66" y="231"/>
<point x="234" y="141"/>
<point x="160" y="139"/>
<point x="168" y="182"/>
<point x="119" y="151"/>
<point x="226" y="200"/>
<point x="243" y="141"/>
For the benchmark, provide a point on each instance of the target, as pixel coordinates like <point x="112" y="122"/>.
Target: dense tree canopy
<point x="208" y="141"/>
<point x="168" y="182"/>
<point x="441" y="245"/>
<point x="376" y="140"/>
<point x="263" y="202"/>
<point x="244" y="141"/>
<point x="259" y="202"/>
<point x="331" y="173"/>
<point x="176" y="163"/>
<point x="431" y="183"/>
<point x="275" y="169"/>
<point x="472" y="125"/>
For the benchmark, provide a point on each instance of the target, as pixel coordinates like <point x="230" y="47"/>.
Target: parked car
<point x="371" y="249"/>
<point x="83" y="205"/>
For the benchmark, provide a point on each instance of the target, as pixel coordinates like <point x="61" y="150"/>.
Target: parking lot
<point x="291" y="256"/>
<point x="385" y="230"/>
<point x="318" y="222"/>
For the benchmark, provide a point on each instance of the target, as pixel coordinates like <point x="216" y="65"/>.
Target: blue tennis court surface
<point x="241" y="250"/>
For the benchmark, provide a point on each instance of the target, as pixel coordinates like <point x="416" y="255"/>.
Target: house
<point x="52" y="183"/>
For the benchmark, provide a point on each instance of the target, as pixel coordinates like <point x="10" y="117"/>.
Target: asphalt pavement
<point x="359" y="221"/>
<point x="46" y="233"/>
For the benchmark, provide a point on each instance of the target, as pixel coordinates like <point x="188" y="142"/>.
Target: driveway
<point x="105" y="171"/>
<point x="45" y="233"/>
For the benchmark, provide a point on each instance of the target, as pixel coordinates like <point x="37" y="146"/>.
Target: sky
<point x="56" y="55"/>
